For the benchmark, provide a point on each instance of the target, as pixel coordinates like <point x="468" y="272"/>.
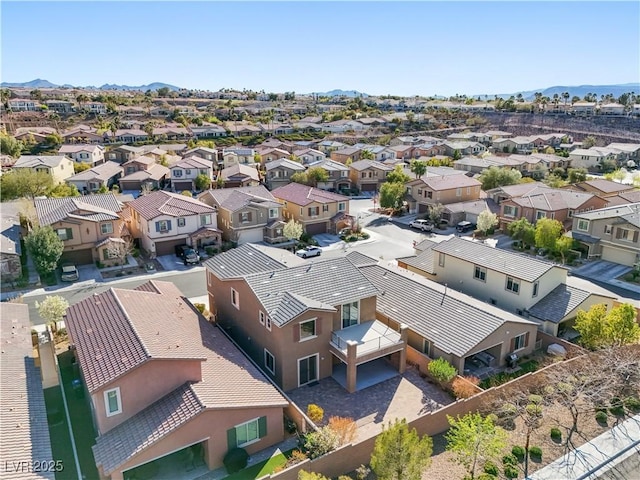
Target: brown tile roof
<point x="447" y="182"/>
<point x="624" y="198"/>
<point x="24" y="433"/>
<point x="299" y="194"/>
<point x="234" y="199"/>
<point x="365" y="164"/>
<point x="607" y="186"/>
<point x="167" y="203"/>
<point x="240" y="170"/>
<point x="553" y="199"/>
<point x="94" y="208"/>
<point x="154" y="172"/>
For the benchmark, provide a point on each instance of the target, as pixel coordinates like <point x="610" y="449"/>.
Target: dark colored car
<point x="465" y="227"/>
<point x="188" y="255"/>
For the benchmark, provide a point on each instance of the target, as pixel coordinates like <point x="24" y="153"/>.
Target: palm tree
<point x="566" y="97"/>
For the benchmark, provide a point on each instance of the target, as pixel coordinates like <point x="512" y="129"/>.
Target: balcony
<point x="369" y="340"/>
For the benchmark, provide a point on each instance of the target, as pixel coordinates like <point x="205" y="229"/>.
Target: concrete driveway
<point x="601" y="270"/>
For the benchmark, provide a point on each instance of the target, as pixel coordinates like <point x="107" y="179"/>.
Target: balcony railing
<point x="368" y="337"/>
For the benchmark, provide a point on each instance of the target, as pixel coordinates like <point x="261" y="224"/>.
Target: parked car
<point x="190" y="256"/>
<point x="69" y="273"/>
<point x="180" y="250"/>
<point x="344" y="232"/>
<point x="424" y="225"/>
<point x="310" y="251"/>
<point x="465" y="226"/>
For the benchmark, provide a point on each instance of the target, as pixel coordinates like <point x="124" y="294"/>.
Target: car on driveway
<point x="310" y="251"/>
<point x="69" y="273"/>
<point x="465" y="226"/>
<point x="424" y="225"/>
<point x="188" y="255"/>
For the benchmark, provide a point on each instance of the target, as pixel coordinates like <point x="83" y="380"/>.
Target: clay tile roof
<point x="95" y="208"/>
<point x="299" y="194"/>
<point x="167" y="203"/>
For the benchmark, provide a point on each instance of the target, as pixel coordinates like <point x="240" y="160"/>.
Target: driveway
<point x="606" y="274"/>
<point x="173" y="263"/>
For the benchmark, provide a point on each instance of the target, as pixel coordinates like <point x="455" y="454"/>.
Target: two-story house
<point x="130" y="135"/>
<point x="610" y="233"/>
<point x="247" y="214"/>
<point x="162" y="220"/>
<point x="345" y="155"/>
<point x="270" y="154"/>
<point x="240" y="175"/>
<point x="23" y="105"/>
<point x="301" y="321"/>
<point x="91" y="154"/>
<point x="328" y="146"/>
<point x="337" y="173"/>
<point x="318" y="210"/>
<point x="279" y="172"/>
<point x="368" y="175"/>
<point x="235" y="156"/>
<point x="59" y="167"/>
<point x="593" y="158"/>
<point x="141" y="171"/>
<point x="463" y="148"/>
<point x="521" y="145"/>
<point x="185" y="172"/>
<point x="601" y="187"/>
<point x="210" y="130"/>
<point x="452" y="188"/>
<point x="124" y="153"/>
<point x="206" y="153"/>
<point x="10" y="249"/>
<point x="104" y="175"/>
<point x="90" y="227"/>
<point x="309" y="155"/>
<point x="162" y="380"/>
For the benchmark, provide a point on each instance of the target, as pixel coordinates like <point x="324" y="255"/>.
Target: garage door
<point x="422" y="208"/>
<point x="617" y="255"/>
<point x="168" y="247"/>
<point x="316" y="228"/>
<point x="179" y="186"/>
<point x="78" y="257"/>
<point x="369" y="187"/>
<point x="254" y="235"/>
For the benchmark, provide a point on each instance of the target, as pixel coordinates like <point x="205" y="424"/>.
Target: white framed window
<point x="112" y="402"/>
<point x="307" y="370"/>
<point x="480" y="273"/>
<point x="245" y="217"/>
<point x="426" y="347"/>
<point x="261" y="317"/>
<point x="182" y="221"/>
<point x="205" y="219"/>
<point x="163" y="226"/>
<point x="177" y="172"/>
<point x="570" y="213"/>
<point x="513" y="285"/>
<point x="458" y="192"/>
<point x="269" y="361"/>
<point x="325" y="208"/>
<point x="273" y="213"/>
<point x="583" y="225"/>
<point x="342" y="206"/>
<point x="308" y="330"/>
<point x="519" y="342"/>
<point x="106" y="228"/>
<point x="441" y="256"/>
<point x="267" y="323"/>
<point x="188" y="171"/>
<point x="235" y="299"/>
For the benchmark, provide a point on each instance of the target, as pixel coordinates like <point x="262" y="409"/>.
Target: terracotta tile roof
<point x="24" y="433"/>
<point x="160" y="203"/>
<point x="143" y="160"/>
<point x="553" y="199"/>
<point x="94" y="208"/>
<point x="302" y="195"/>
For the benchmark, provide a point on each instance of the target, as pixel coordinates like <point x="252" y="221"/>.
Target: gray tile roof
<point x="234" y="199"/>
<point x="94" y="208"/>
<point x="453" y="321"/>
<point x="360" y="259"/>
<point x="193" y="162"/>
<point x="284" y="163"/>
<point x="10" y="236"/>
<point x="245" y="260"/>
<point x="558" y="303"/>
<point x="552" y="199"/>
<point x="24" y="433"/>
<point x="104" y="172"/>
<point x="423" y="261"/>
<point x="154" y="172"/>
<point x="240" y="170"/>
<point x="425" y="245"/>
<point x="159" y="203"/>
<point x="365" y="164"/>
<point x="629" y="213"/>
<point x="330" y="165"/>
<point x="32" y="161"/>
<point x="509" y="263"/>
<point x="321" y="284"/>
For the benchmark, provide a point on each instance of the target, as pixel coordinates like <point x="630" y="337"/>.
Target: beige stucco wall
<point x="86" y="234"/>
<point x="301" y="214"/>
<point x="444" y="197"/>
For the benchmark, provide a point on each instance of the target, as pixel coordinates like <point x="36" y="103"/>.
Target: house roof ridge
<point x="128" y="318"/>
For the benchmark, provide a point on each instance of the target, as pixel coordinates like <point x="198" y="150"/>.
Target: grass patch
<point x="59" y="432"/>
<point x="80" y="413"/>
<point x="504" y="377"/>
<point x="260" y="469"/>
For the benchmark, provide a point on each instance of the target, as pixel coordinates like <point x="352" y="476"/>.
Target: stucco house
<point x="345" y="154"/>
<point x="240" y="175"/>
<point x="184" y="173"/>
<point x="91" y="154"/>
<point x="143" y="170"/>
<point x="172" y="384"/>
<point x="59" y="167"/>
<point x="279" y="172"/>
<point x="309" y="155"/>
<point x="162" y="220"/>
<point x="444" y="189"/>
<point x="103" y="175"/>
<point x="601" y="187"/>
<point x="235" y="156"/>
<point x="338" y="175"/>
<point x="368" y="175"/>
<point x="10" y="249"/>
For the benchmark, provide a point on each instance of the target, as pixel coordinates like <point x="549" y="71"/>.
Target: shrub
<point x="632" y="404"/>
<point x="321" y="442"/>
<point x="535" y="399"/>
<point x="235" y="460"/>
<point x="315" y="413"/>
<point x="509" y="460"/>
<point x="601" y="417"/>
<point x="556" y="434"/>
<point x="535" y="452"/>
<point x="199" y="306"/>
<point x="441" y="370"/>
<point x="364" y="236"/>
<point x="344" y="477"/>
<point x="463" y="387"/>
<point x="290" y="426"/>
<point x="491" y="468"/>
<point x="510" y="471"/>
<point x="486" y="476"/>
<point x="296" y="457"/>
<point x="617" y="407"/>
<point x="362" y="472"/>
<point x="518" y="452"/>
<point x="344" y="427"/>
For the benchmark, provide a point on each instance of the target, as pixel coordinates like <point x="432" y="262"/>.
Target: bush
<point x="442" y="370"/>
<point x="491" y="468"/>
<point x="510" y="471"/>
<point x="463" y="387"/>
<point x="200" y="307"/>
<point x="321" y="442"/>
<point x="344" y="427"/>
<point x="210" y="251"/>
<point x="601" y="417"/>
<point x="362" y="472"/>
<point x="290" y="426"/>
<point x="518" y="452"/>
<point x="509" y="460"/>
<point x="556" y="434"/>
<point x="535" y="399"/>
<point x="486" y="476"/>
<point x="632" y="404"/>
<point x="617" y="407"/>
<point x="235" y="460"/>
<point x="535" y="452"/>
<point x="315" y="413"/>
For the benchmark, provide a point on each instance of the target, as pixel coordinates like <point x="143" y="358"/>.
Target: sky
<point x="379" y="48"/>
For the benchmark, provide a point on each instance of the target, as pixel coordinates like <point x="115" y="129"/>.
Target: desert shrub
<point x="617" y="407"/>
<point x="510" y="471"/>
<point x="493" y="417"/>
<point x="344" y="477"/>
<point x="321" y="442"/>
<point x="486" y="476"/>
<point x="364" y="236"/>
<point x="535" y="452"/>
<point x="362" y="472"/>
<point x="441" y="370"/>
<point x="463" y="387"/>
<point x="296" y="457"/>
<point x="199" y="306"/>
<point x="235" y="460"/>
<point x="601" y="417"/>
<point x="556" y="434"/>
<point x="632" y="404"/>
<point x="509" y="460"/>
<point x="518" y="452"/>
<point x="535" y="399"/>
<point x="344" y="427"/>
<point x="315" y="413"/>
<point x="491" y="468"/>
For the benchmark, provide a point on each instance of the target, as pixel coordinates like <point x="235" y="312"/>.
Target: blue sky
<point x="401" y="48"/>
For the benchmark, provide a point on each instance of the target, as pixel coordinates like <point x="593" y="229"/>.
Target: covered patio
<point x="205" y="236"/>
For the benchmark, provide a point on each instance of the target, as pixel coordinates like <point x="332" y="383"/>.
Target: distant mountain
<point x="144" y="88"/>
<point x="578" y="91"/>
<point x="39" y="83"/>
<point x="341" y="93"/>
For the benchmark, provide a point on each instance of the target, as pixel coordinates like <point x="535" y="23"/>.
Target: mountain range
<point x="39" y="83"/>
<point x="577" y="91"/>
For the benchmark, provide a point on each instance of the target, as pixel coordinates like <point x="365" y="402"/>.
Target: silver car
<point x="69" y="273"/>
<point x="424" y="225"/>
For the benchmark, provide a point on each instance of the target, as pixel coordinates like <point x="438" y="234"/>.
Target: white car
<point x="310" y="251"/>
<point x="69" y="273"/>
<point x="424" y="225"/>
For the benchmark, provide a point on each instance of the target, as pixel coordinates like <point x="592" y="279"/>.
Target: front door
<point x="307" y="370"/>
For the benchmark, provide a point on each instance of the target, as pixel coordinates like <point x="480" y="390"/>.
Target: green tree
<point x="163" y="92"/>
<point x="45" y="248"/>
<point x="563" y="246"/>
<point x="575" y="175"/>
<point x="80" y="167"/>
<point x="474" y="439"/>
<point x="64" y="190"/>
<point x="186" y="193"/>
<point x="292" y="230"/>
<point x="53" y="140"/>
<point x="302" y="475"/>
<point x="494" y="177"/>
<point x="523" y="231"/>
<point x="367" y="155"/>
<point x="547" y="232"/>
<point x="10" y="146"/>
<point x="487" y="220"/>
<point x="418" y="168"/>
<point x="300" y="177"/>
<point x="203" y="182"/>
<point x="398" y="175"/>
<point x="456" y="155"/>
<point x="599" y="329"/>
<point x="400" y="453"/>
<point x="554" y="181"/>
<point x="589" y="142"/>
<point x="316" y="175"/>
<point x="392" y="195"/>
<point x="24" y="182"/>
<point x="435" y="213"/>
<point x="52" y="309"/>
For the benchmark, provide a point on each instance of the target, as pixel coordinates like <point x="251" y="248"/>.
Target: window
<point x="261" y="317"/>
<point x="106" y="255"/>
<point x="419" y="192"/>
<point x="112" y="156"/>
<point x="314" y="211"/>
<point x="235" y="299"/>
<point x="520" y="342"/>
<point x="182" y="222"/>
<point x="106" y="228"/>
<point x="480" y="273"/>
<point x="307" y="330"/>
<point x="112" y="403"/>
<point x="64" y="234"/>
<point x="608" y="229"/>
<point x="363" y="174"/>
<point x="269" y="361"/>
<point x="344" y="174"/>
<point x="205" y="219"/>
<point x="468" y="190"/>
<point x="428" y="194"/>
<point x="268" y="323"/>
<point x="426" y="347"/>
<point x="583" y="225"/>
<point x="513" y="285"/>
<point x="350" y="314"/>
<point x="570" y="213"/>
<point x="163" y="225"/>
<point x="325" y="208"/>
<point x="247" y="433"/>
<point x="627" y="235"/>
<point x="188" y="172"/>
<point x="177" y="172"/>
<point x="540" y="214"/>
<point x="342" y="206"/>
<point x="441" y="259"/>
<point x="458" y="192"/>
<point x="273" y="213"/>
<point x="536" y="285"/>
<point x="510" y="211"/>
<point x="245" y="217"/>
<point x="307" y="370"/>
